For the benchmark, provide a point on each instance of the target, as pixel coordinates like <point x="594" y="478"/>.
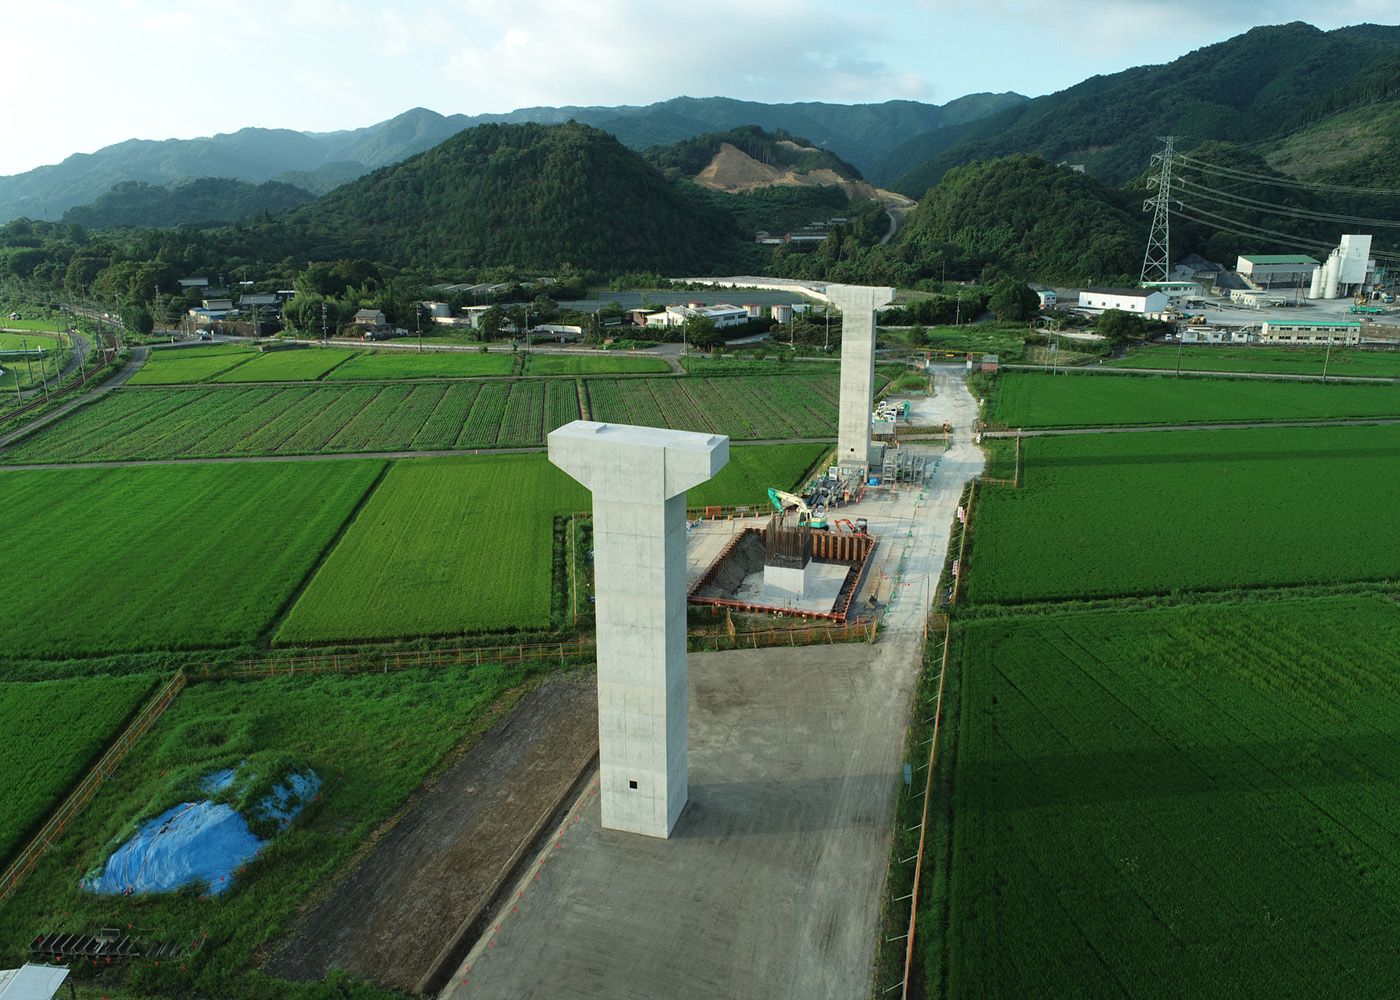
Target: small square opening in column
<point x="632" y="783"/>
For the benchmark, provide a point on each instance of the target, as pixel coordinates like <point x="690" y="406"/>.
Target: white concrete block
<point x="638" y="476"/>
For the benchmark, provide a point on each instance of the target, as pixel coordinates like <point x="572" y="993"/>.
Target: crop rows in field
<point x="1124" y="514"/>
<point x="163" y="557"/>
<point x="792" y="405"/>
<point x="303" y="420"/>
<point x="53" y="730"/>
<point x="1167" y="802"/>
<point x="1025" y="399"/>
<point x="400" y="364"/>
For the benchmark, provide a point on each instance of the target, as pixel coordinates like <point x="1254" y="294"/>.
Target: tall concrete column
<point x="639" y="476"/>
<point x="857" y="304"/>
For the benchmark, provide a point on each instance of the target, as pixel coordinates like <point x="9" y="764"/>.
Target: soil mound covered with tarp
<point x="204" y="844"/>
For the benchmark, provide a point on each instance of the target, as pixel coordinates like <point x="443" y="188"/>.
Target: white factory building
<point x="722" y="315"/>
<point x="1143" y="301"/>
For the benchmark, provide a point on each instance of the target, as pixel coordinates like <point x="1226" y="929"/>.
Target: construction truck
<point x="812" y="517"/>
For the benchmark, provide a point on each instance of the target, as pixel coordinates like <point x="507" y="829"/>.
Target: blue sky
<point x="86" y="73"/>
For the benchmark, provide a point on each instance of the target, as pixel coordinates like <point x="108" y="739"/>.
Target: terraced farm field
<point x="303" y="365"/>
<point x="792" y="405"/>
<point x="1025" y="399"/>
<point x="1168" y="803"/>
<point x="177" y="366"/>
<point x="1108" y="514"/>
<point x="401" y="364"/>
<point x="1276" y="360"/>
<point x="53" y="731"/>
<point x="216" y="422"/>
<point x="373" y="738"/>
<point x="586" y="364"/>
<point x="110" y="560"/>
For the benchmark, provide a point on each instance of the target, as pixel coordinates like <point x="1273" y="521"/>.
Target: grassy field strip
<point x="204" y="554"/>
<point x="372" y="738"/>
<point x="1198" y="510"/>
<point x="190" y="364"/>
<point x="385" y="365"/>
<point x="576" y="364"/>
<point x="1041" y="400"/>
<point x="792" y="405"/>
<point x="1134" y="788"/>
<point x="1289" y="361"/>
<point x="304" y="365"/>
<point x="53" y="731"/>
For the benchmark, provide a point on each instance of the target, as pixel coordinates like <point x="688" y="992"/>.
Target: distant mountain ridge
<point x="206" y="201"/>
<point x="319" y="162"/>
<point x="1252" y="89"/>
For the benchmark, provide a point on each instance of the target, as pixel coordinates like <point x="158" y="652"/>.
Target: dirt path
<point x="138" y="358"/>
<point x="403" y="907"/>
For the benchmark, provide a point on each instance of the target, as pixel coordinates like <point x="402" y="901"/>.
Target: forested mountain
<point x="859" y="133"/>
<point x="523" y="196"/>
<point x="1025" y="216"/>
<point x="1254" y="88"/>
<point x="208" y="201"/>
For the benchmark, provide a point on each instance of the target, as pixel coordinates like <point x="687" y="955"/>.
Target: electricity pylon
<point x="1156" y="262"/>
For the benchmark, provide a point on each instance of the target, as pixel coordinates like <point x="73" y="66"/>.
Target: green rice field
<point x="54" y="730"/>
<point x="176" y="366"/>
<point x="794" y="405"/>
<point x="1186" y="802"/>
<point x="373" y="738"/>
<point x="216" y="422"/>
<point x="110" y="560"/>
<point x="1040" y="400"/>
<point x="429" y="364"/>
<point x="299" y="365"/>
<point x="1118" y="514"/>
<point x="1272" y="360"/>
<point x="488" y="513"/>
<point x="587" y="364"/>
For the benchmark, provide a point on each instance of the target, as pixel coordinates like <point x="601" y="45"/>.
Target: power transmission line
<point x="1156" y="260"/>
<point x="1246" y="175"/>
<point x="1240" y="201"/>
<point x="1226" y="224"/>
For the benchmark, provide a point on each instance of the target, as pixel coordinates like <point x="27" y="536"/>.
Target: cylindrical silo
<point x="1315" y="290"/>
<point x="1334" y="271"/>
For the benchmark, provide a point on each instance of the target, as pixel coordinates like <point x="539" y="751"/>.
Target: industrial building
<point x="1278" y="270"/>
<point x="1347" y="272"/>
<point x="1143" y="301"/>
<point x="722" y="315"/>
<point x="1338" y="332"/>
<point x="1178" y="293"/>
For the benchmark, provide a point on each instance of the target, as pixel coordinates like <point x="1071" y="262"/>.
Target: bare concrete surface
<point x="392" y="915"/>
<point x="769" y="885"/>
<point x="771" y="882"/>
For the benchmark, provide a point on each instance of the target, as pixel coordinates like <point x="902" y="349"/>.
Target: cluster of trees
<point x="208" y="201"/>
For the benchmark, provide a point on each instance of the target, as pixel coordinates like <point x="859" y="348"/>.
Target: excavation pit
<point x="830" y="577"/>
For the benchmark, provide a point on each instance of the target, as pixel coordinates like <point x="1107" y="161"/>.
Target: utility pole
<point x="1327" y="357"/>
<point x="1156" y="261"/>
<point x="418" y="311"/>
<point x="323" y="319"/>
<point x="957" y="320"/>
